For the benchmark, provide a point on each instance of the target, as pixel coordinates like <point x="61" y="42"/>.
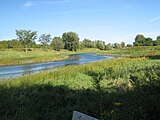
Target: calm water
<point x="19" y="70"/>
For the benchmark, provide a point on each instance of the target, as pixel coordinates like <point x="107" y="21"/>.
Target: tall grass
<point x="122" y="88"/>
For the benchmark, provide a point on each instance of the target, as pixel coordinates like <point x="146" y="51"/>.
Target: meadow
<point x="120" y="88"/>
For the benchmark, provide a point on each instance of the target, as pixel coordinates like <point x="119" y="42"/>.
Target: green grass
<point x="140" y="51"/>
<point x="121" y="88"/>
<point x="18" y="57"/>
<point x="15" y="57"/>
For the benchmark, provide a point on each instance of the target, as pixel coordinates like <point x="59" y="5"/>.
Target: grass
<point x="140" y="51"/>
<point x="121" y="88"/>
<point x="14" y="57"/>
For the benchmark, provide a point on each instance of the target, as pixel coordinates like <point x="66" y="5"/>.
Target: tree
<point x="123" y="44"/>
<point x="158" y="37"/>
<point x="117" y="45"/>
<point x="27" y="37"/>
<point x="57" y="43"/>
<point x="157" y="41"/>
<point x="71" y="41"/>
<point x="88" y="43"/>
<point x="100" y="44"/>
<point x="45" y="40"/>
<point x="129" y="45"/>
<point x="108" y="46"/>
<point x="148" y="42"/>
<point x="139" y="40"/>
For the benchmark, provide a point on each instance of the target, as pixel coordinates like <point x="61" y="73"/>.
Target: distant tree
<point x="100" y="44"/>
<point x="108" y="46"/>
<point x="148" y="42"/>
<point x="71" y="41"/>
<point x="129" y="45"/>
<point x="117" y="45"/>
<point x="27" y="37"/>
<point x="88" y="43"/>
<point x="157" y="41"/>
<point x="45" y="39"/>
<point x="158" y="37"/>
<point x="123" y="44"/>
<point x="139" y="40"/>
<point x="57" y="43"/>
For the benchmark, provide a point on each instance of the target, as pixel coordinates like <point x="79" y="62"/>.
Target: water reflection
<point x="19" y="70"/>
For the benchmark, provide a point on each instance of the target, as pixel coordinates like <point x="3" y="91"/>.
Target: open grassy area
<point x="123" y="88"/>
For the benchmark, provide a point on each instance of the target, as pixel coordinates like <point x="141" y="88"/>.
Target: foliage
<point x="27" y="37"/>
<point x="71" y="41"/>
<point x="140" y="40"/>
<point x="123" y="44"/>
<point x="45" y="40"/>
<point x="57" y="43"/>
<point x="88" y="43"/>
<point x="100" y="44"/>
<point x="117" y="45"/>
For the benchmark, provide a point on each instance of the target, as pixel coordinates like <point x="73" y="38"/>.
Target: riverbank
<point x="13" y="57"/>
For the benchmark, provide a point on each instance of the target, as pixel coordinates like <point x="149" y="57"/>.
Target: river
<point x="19" y="70"/>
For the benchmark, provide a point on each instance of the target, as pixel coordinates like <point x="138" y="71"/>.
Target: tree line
<point x="140" y="40"/>
<point x="26" y="39"/>
<point x="70" y="40"/>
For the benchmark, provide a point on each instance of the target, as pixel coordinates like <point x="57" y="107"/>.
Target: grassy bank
<point x="15" y="57"/>
<point x="123" y="88"/>
<point x="20" y="57"/>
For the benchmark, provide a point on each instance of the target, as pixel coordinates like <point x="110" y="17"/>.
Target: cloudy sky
<point x="109" y="20"/>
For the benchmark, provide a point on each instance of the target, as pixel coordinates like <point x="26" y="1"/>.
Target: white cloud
<point x="28" y="4"/>
<point x="154" y="19"/>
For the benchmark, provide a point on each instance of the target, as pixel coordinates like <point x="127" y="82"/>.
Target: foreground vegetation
<point x="121" y="88"/>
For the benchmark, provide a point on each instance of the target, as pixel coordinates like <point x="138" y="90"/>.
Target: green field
<point x="120" y="88"/>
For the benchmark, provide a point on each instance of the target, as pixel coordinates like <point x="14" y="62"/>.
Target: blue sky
<point x="109" y="20"/>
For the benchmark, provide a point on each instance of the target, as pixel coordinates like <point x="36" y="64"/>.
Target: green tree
<point x="157" y="42"/>
<point x="139" y="40"/>
<point x="123" y="44"/>
<point x="108" y="46"/>
<point x="45" y="39"/>
<point x="57" y="43"/>
<point x="27" y="37"/>
<point x="88" y="43"/>
<point x="71" y="41"/>
<point x="158" y="37"/>
<point x="129" y="45"/>
<point x="117" y="45"/>
<point x="100" y="44"/>
<point x="148" y="42"/>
